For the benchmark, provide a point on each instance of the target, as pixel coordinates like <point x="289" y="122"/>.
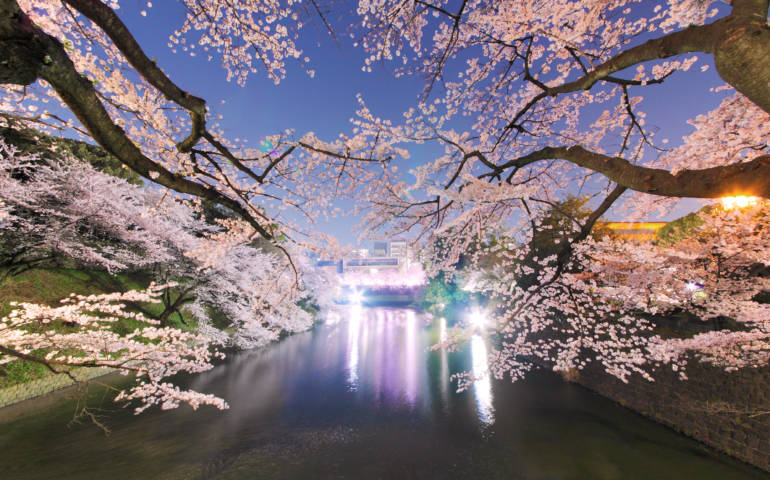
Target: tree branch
<point x="742" y="178"/>
<point x="106" y="19"/>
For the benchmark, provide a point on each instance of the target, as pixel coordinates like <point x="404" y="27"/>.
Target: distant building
<point x="380" y="249"/>
<point x="634" y="231"/>
<point x="384" y="255"/>
<point x="399" y="249"/>
<point x="331" y="264"/>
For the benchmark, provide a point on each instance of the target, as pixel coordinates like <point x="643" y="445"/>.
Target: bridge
<point x="378" y="280"/>
<point x="363" y="264"/>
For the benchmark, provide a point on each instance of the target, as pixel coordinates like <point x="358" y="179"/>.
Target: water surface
<point x="359" y="398"/>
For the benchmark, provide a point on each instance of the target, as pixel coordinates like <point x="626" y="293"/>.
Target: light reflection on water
<point x="361" y="396"/>
<point x="399" y="357"/>
<point x="385" y="352"/>
<point x="444" y="371"/>
<point x="354" y="327"/>
<point x="482" y="386"/>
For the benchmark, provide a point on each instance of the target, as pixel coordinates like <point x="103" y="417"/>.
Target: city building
<point x="384" y="255"/>
<point x="399" y="249"/>
<point x="381" y="249"/>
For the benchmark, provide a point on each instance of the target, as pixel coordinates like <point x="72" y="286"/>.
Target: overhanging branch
<point x="742" y="178"/>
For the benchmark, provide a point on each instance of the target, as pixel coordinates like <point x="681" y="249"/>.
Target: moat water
<point x="359" y="398"/>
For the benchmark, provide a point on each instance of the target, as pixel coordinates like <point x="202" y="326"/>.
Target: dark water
<point x="362" y="398"/>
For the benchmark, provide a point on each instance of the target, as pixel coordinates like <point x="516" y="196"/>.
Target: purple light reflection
<point x="354" y="326"/>
<point x="386" y="355"/>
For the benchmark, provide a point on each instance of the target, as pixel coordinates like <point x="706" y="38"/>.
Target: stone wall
<point x="727" y="411"/>
<point x="41" y="386"/>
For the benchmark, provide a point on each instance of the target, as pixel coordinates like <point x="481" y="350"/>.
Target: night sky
<point x="324" y="104"/>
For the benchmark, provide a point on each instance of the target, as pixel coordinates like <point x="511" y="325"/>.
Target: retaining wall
<point x="727" y="411"/>
<point x="41" y="386"/>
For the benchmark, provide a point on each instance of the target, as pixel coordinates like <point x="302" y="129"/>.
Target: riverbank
<point x="729" y="412"/>
<point x="47" y="384"/>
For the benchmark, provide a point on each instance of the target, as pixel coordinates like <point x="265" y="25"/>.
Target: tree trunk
<point x="742" y="52"/>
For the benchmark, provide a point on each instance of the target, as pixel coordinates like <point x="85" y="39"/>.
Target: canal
<point x="361" y="397"/>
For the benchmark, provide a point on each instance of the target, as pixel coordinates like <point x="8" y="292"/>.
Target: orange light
<point x="740" y="201"/>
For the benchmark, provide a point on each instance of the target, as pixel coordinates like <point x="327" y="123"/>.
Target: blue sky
<point x="324" y="104"/>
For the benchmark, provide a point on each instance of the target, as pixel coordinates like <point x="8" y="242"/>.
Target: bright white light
<point x="478" y="318"/>
<point x="482" y="387"/>
<point x="692" y="286"/>
<point x="378" y="277"/>
<point x="355" y="297"/>
<point x="740" y="201"/>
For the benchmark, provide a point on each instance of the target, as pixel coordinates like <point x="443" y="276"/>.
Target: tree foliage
<point x="63" y="207"/>
<point x="531" y="102"/>
<point x="34" y="142"/>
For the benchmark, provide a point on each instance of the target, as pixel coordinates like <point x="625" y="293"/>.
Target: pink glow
<point x="411" y="277"/>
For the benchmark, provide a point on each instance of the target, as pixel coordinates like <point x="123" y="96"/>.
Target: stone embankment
<point x="41" y="386"/>
<point x="727" y="411"/>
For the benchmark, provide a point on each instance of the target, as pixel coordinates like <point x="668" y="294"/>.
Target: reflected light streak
<point x="354" y="325"/>
<point x="410" y="366"/>
<point x="444" y="378"/>
<point x="482" y="387"/>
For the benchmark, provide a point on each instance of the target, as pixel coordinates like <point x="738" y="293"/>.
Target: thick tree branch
<point x="106" y="19"/>
<point x="82" y="99"/>
<point x="740" y="43"/>
<point x="743" y="178"/>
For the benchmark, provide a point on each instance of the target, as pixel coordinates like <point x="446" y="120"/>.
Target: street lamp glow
<point x="739" y="201"/>
<point x="478" y="318"/>
<point x="355" y="297"/>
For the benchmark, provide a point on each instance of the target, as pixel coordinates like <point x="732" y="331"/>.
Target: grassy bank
<point x="49" y="287"/>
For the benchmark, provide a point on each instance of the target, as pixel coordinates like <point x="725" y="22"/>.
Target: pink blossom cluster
<point x="149" y="352"/>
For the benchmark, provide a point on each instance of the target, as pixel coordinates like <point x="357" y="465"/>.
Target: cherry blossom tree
<point x="149" y="352"/>
<point x="82" y="52"/>
<point x="531" y="101"/>
<point x="535" y="101"/>
<point x="100" y="221"/>
<point x="67" y="208"/>
<point x="256" y="293"/>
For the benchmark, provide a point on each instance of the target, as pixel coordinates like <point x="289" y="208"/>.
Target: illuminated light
<point x="692" y="286"/>
<point x="442" y="330"/>
<point x="373" y="270"/>
<point x="356" y="297"/>
<point x="740" y="201"/>
<point x="478" y="318"/>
